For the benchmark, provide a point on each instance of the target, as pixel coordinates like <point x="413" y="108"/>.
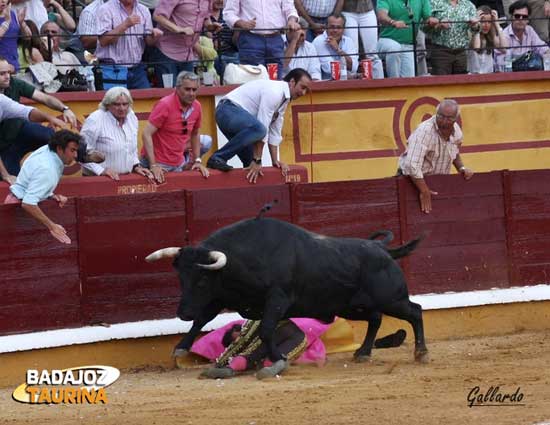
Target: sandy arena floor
<point x="392" y="389"/>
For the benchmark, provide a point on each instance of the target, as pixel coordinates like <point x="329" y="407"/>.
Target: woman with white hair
<point x="113" y="131"/>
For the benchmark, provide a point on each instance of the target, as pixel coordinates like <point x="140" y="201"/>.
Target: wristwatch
<point x="65" y="108"/>
<point x="258" y="161"/>
<point x="198" y="161"/>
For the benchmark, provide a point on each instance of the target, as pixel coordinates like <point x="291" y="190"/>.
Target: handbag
<point x="529" y="61"/>
<point x="114" y="76"/>
<point x="72" y="81"/>
<point x="239" y="74"/>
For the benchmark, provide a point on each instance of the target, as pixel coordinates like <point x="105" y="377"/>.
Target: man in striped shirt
<point x="121" y="27"/>
<point x="432" y="148"/>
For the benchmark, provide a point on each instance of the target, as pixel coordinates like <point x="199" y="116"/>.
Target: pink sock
<point x="238" y="363"/>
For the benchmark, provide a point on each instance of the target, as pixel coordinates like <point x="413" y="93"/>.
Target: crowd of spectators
<point x="147" y="43"/>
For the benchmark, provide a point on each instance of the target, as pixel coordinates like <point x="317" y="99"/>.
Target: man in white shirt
<point x="260" y="23"/>
<point x="87" y="25"/>
<point x="113" y="131"/>
<point x="334" y="46"/>
<point x="300" y="53"/>
<point x="251" y="116"/>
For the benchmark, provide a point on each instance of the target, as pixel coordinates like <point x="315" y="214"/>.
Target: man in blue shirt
<point x="40" y="175"/>
<point x="334" y="46"/>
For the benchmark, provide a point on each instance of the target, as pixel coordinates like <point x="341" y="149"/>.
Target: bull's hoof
<point x="217" y="373"/>
<point x="275" y="369"/>
<point x="362" y="358"/>
<point x="180" y="352"/>
<point x="421" y="356"/>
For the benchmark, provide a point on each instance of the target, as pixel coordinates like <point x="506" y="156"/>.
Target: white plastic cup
<point x="167" y="80"/>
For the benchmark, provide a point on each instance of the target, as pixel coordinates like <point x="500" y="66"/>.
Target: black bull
<point x="269" y="269"/>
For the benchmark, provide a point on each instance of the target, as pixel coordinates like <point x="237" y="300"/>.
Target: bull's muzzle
<point x="219" y="258"/>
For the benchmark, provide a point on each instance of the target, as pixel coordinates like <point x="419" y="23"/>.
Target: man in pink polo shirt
<point x="171" y="139"/>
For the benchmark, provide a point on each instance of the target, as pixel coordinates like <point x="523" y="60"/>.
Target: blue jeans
<point x="242" y="130"/>
<point x="166" y="65"/>
<point x="255" y="49"/>
<point x="137" y="77"/>
<point x="400" y="62"/>
<point x="31" y="136"/>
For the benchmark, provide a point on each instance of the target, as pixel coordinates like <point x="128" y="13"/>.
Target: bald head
<point x="448" y="107"/>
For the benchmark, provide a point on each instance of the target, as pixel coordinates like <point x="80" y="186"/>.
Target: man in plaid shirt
<point x="432" y="148"/>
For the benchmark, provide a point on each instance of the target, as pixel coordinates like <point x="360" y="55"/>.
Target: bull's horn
<point x="163" y="253"/>
<point x="219" y="257"/>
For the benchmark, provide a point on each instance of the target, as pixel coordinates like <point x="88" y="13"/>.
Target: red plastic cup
<point x="335" y="70"/>
<point x="273" y="71"/>
<point x="366" y="64"/>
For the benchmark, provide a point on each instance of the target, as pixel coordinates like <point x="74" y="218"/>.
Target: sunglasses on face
<point x="519" y="16"/>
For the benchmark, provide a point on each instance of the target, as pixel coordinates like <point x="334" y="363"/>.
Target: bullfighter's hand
<point x="444" y="25"/>
<point x="214" y="27"/>
<point x="56" y="122"/>
<point x="254" y="170"/>
<point x="284" y="167"/>
<point x="132" y="20"/>
<point x="70" y="118"/>
<point x="9" y="179"/>
<point x="294" y="25"/>
<point x="203" y="170"/>
<point x="60" y="233"/>
<point x="246" y="25"/>
<point x="110" y="173"/>
<point x="467" y="173"/>
<point x="145" y="172"/>
<point x="426" y="200"/>
<point x="158" y="173"/>
<point x="157" y="33"/>
<point x="60" y="199"/>
<point x="432" y="22"/>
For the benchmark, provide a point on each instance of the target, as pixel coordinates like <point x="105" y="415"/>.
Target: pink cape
<point x="210" y="345"/>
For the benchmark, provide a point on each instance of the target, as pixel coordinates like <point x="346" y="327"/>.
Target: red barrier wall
<point x="493" y="231"/>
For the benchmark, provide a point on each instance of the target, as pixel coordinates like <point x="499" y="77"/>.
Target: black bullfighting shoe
<point x="218" y="164"/>
<point x="217" y="373"/>
<point x="391" y="340"/>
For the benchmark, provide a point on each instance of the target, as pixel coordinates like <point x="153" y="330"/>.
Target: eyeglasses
<point x="122" y="104"/>
<point x="519" y="16"/>
<point x="184" y="131"/>
<point x="447" y="117"/>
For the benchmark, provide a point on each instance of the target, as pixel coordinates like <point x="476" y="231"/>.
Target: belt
<point x="271" y="34"/>
<point x="224" y="101"/>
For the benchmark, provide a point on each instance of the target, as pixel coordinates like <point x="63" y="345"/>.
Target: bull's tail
<point x="406" y="249"/>
<point x="388" y="236"/>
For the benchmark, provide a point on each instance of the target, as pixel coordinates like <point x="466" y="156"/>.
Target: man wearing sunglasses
<point x="431" y="149"/>
<point x="171" y="139"/>
<point x="521" y="36"/>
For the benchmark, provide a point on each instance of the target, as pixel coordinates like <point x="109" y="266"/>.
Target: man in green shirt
<point x="18" y="136"/>
<point x="398" y="35"/>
